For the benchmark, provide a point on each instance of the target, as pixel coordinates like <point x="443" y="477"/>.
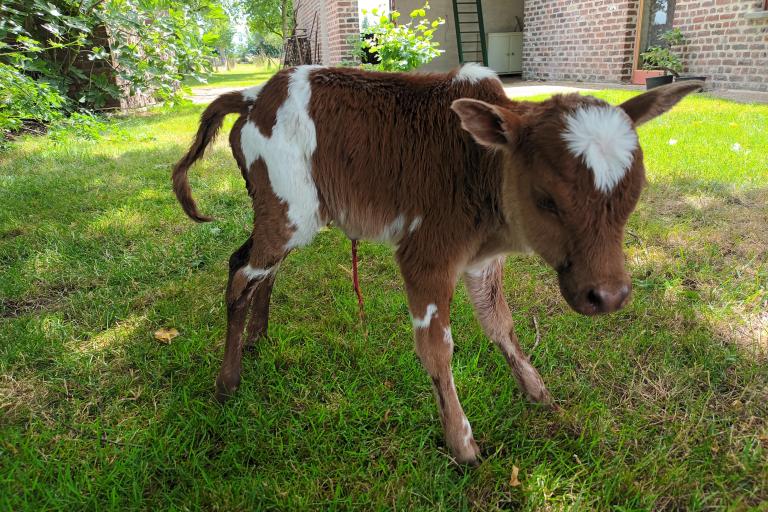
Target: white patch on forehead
<point x="473" y="72"/>
<point x="288" y="157"/>
<point x="604" y="138"/>
<point x="251" y="93"/>
<point x="423" y="322"/>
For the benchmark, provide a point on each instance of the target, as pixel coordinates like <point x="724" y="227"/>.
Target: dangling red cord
<point x="356" y="281"/>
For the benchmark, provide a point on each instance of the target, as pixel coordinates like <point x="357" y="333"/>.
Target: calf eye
<point x="547" y="204"/>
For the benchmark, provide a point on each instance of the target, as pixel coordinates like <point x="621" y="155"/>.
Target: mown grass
<point x="242" y="75"/>
<point x="664" y="405"/>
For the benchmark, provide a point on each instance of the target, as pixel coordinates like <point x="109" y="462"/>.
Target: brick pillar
<point x="336" y="22"/>
<point x="343" y="24"/>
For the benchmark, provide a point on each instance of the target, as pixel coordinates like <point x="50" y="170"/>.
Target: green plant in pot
<point x="663" y="58"/>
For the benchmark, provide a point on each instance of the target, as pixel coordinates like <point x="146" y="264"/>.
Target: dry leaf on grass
<point x="513" y="481"/>
<point x="166" y="335"/>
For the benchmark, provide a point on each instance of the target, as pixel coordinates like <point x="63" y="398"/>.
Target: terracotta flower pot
<point x="639" y="76"/>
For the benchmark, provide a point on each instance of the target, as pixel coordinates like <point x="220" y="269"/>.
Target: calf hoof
<point x="468" y="455"/>
<point x="225" y="389"/>
<point x="540" y="395"/>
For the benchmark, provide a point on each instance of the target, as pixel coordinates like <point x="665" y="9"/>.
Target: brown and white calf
<point x="452" y="173"/>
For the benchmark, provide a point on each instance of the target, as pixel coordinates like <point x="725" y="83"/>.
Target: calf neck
<point x="449" y="171"/>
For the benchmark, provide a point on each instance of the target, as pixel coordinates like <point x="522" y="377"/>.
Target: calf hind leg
<point x="251" y="275"/>
<point x="259" y="315"/>
<point x="485" y="289"/>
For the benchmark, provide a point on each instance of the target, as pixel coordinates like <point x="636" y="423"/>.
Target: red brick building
<point x="329" y="24"/>
<point x="595" y="40"/>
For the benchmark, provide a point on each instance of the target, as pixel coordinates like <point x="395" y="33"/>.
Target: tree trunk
<point x="284" y="16"/>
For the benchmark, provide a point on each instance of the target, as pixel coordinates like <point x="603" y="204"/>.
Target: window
<point x="656" y="19"/>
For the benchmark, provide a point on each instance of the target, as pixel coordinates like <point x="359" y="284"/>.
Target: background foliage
<point x="66" y="55"/>
<point x="402" y="46"/>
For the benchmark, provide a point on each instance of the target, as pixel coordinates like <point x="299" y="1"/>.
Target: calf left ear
<point x="488" y="124"/>
<point x="655" y="102"/>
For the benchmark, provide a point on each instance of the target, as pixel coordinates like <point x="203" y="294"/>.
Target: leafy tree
<point x="269" y="16"/>
<point x="153" y="44"/>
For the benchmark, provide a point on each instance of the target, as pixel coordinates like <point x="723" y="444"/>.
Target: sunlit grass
<point x="663" y="404"/>
<point x="242" y="75"/>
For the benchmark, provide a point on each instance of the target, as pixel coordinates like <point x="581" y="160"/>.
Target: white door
<point x="498" y="52"/>
<point x="515" y="53"/>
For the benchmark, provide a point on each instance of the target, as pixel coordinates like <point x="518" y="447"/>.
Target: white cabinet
<point x="505" y="52"/>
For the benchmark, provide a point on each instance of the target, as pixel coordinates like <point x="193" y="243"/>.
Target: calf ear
<point x="488" y="124"/>
<point x="655" y="102"/>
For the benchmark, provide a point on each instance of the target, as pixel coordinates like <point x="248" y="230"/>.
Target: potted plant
<point x="664" y="59"/>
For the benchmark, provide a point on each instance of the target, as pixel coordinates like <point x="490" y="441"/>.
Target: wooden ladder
<point x="470" y="32"/>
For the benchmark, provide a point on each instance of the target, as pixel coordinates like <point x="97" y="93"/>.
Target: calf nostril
<point x="594" y="298"/>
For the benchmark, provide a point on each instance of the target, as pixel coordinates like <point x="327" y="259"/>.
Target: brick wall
<point x="593" y="40"/>
<point x="337" y="20"/>
<point x="587" y="40"/>
<point x="725" y="42"/>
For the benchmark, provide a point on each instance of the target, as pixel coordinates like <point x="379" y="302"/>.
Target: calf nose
<point x="608" y="299"/>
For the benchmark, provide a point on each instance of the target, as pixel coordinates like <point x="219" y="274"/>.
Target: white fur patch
<point x="252" y="273"/>
<point x="251" y="93"/>
<point x="392" y="231"/>
<point x="288" y="157"/>
<point x="423" y="323"/>
<point x="473" y="72"/>
<point x="415" y="223"/>
<point x="604" y="138"/>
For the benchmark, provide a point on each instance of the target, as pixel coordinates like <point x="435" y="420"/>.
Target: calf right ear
<point x="655" y="102"/>
<point x="488" y="124"/>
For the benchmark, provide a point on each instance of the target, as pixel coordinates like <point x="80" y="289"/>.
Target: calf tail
<point x="210" y="122"/>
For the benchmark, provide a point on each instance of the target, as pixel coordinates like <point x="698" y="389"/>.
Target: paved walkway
<point x="517" y="88"/>
<point x="208" y="94"/>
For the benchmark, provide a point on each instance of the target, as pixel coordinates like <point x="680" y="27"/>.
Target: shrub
<point x="662" y="57"/>
<point x="401" y="47"/>
<point x="25" y="100"/>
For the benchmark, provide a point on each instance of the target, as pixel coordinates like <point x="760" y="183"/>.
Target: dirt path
<point x="208" y="94"/>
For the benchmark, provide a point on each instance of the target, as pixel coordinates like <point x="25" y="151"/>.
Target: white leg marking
<point x="256" y="273"/>
<point x="423" y="322"/>
<point x="467" y="431"/>
<point x="447" y="338"/>
<point x="288" y="157"/>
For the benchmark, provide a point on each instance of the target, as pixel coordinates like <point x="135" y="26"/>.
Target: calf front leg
<point x="485" y="289"/>
<point x="429" y="306"/>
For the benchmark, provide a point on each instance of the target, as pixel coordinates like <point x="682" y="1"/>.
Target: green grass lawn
<point x="664" y="405"/>
<point x="242" y="75"/>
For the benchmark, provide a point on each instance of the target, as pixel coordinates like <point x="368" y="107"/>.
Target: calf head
<point x="573" y="174"/>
